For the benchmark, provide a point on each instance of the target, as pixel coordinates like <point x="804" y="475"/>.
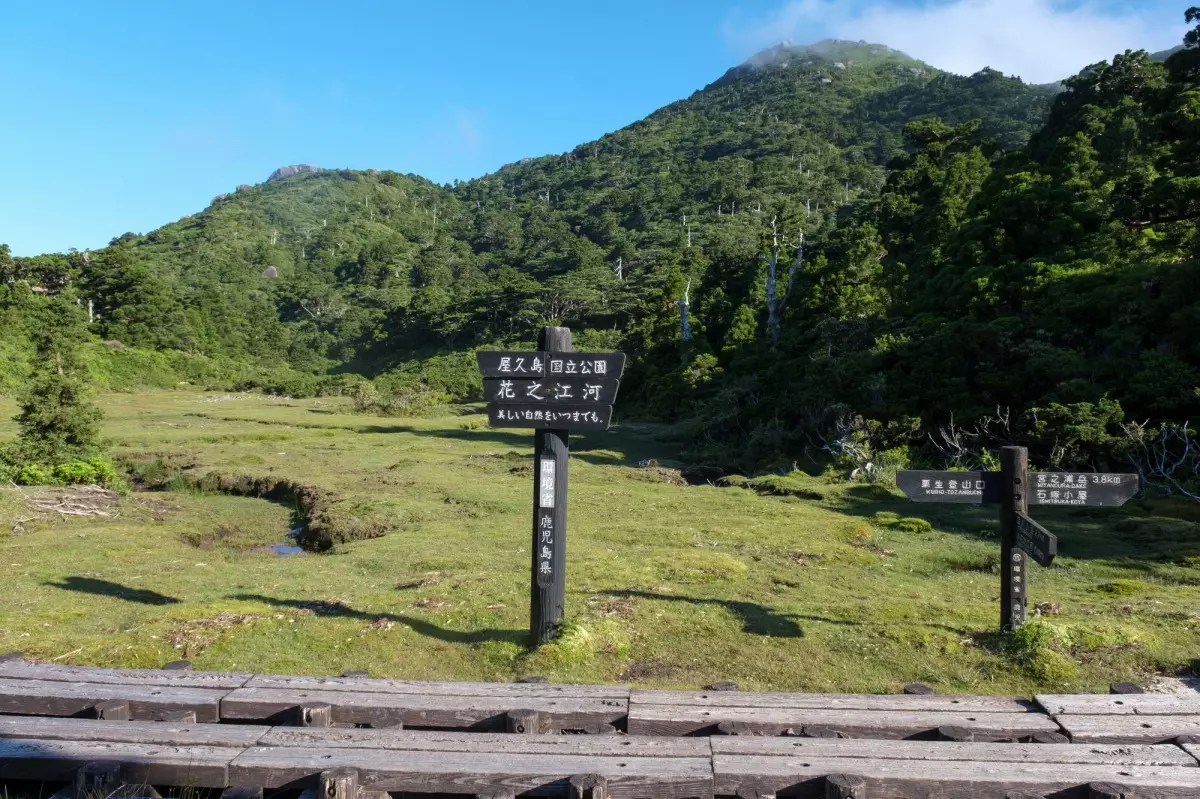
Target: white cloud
<point x="1039" y="40"/>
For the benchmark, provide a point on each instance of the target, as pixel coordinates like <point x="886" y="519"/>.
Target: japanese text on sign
<point x="544" y="545"/>
<point x="546" y="485"/>
<point x="552" y="391"/>
<point x="1060" y="488"/>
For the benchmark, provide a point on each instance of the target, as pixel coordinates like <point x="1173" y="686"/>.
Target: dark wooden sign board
<point x="1014" y="489"/>
<point x="554" y="391"/>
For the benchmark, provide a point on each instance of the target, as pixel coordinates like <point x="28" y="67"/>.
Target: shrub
<point x="35" y="475"/>
<point x="1035" y="647"/>
<point x="74" y="473"/>
<point x="913" y="524"/>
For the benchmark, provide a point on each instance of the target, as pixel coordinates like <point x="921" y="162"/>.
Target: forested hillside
<point x="832" y="246"/>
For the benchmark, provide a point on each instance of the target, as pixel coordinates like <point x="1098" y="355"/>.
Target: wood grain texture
<point x="908" y="702"/>
<point x="1164" y="755"/>
<point x="1129" y="729"/>
<point x="675" y="720"/>
<point x="366" y="685"/>
<point x="51" y="698"/>
<point x="145" y="732"/>
<point x="421" y="710"/>
<point x="455" y="772"/>
<point x="898" y="779"/>
<point x="498" y="743"/>
<point x="155" y="677"/>
<point x="1119" y="704"/>
<point x="151" y="764"/>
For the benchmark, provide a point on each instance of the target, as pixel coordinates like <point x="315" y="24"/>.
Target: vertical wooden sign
<point x="1014" y="562"/>
<point x="549" y="556"/>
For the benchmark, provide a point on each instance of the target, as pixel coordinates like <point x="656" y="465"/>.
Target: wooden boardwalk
<point x="351" y="737"/>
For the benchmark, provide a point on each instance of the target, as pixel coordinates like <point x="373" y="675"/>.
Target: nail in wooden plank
<point x="524" y="722"/>
<point x="1124" y="688"/>
<point x="918" y="689"/>
<point x="953" y="732"/>
<point x="1110" y="790"/>
<point x="243" y="792"/>
<point x="97" y="779"/>
<point x="178" y="665"/>
<point x="845" y="786"/>
<point x="338" y="783"/>
<point x="177" y="716"/>
<point x="113" y="710"/>
<point x="587" y="786"/>
<point x="316" y="714"/>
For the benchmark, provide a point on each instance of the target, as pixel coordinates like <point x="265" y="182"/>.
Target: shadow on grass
<point x="90" y="585"/>
<point x="341" y="610"/>
<point x="756" y="619"/>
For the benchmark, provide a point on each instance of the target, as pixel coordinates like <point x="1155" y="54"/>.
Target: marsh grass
<point x="798" y="584"/>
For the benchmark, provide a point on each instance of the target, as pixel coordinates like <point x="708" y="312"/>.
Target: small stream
<point x="285" y="549"/>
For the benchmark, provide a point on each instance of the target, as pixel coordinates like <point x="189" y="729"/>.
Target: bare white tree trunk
<point x="685" y="328"/>
<point x="775" y="302"/>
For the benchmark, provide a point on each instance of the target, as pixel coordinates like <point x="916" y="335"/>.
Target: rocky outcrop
<point x="287" y="171"/>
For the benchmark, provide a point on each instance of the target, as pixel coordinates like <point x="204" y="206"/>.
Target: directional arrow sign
<point x="958" y="487"/>
<point x="1082" y="488"/>
<point x="551" y="391"/>
<point x="1038" y="542"/>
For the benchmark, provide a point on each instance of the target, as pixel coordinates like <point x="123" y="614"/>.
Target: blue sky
<point x="126" y="115"/>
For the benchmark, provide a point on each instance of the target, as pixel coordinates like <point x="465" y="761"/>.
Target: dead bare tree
<point x="1167" y="458"/>
<point x="776" y="303"/>
<point x="966" y="447"/>
<point x="685" y="328"/>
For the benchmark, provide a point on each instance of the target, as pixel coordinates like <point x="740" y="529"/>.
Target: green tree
<point x="58" y="421"/>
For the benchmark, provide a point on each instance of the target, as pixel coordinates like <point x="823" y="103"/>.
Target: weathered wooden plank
<point x="51" y="698"/>
<point x="470" y="773"/>
<point x="421" y="710"/>
<point x="908" y="702"/>
<point x="1128" y="729"/>
<point x="150" y="764"/>
<point x="491" y="690"/>
<point x="146" y="732"/>
<point x="1120" y="704"/>
<point x="155" y="677"/>
<point x="497" y="743"/>
<point x="1165" y="755"/>
<point x="673" y="720"/>
<point x="898" y="779"/>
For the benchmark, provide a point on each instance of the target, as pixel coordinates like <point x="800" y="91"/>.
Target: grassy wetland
<point x="791" y="582"/>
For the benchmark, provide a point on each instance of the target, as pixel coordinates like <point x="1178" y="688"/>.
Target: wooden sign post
<point x="554" y="391"/>
<point x="1014" y="500"/>
<point x="1014" y="490"/>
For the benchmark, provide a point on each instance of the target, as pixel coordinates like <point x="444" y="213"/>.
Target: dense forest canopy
<point x="828" y="242"/>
